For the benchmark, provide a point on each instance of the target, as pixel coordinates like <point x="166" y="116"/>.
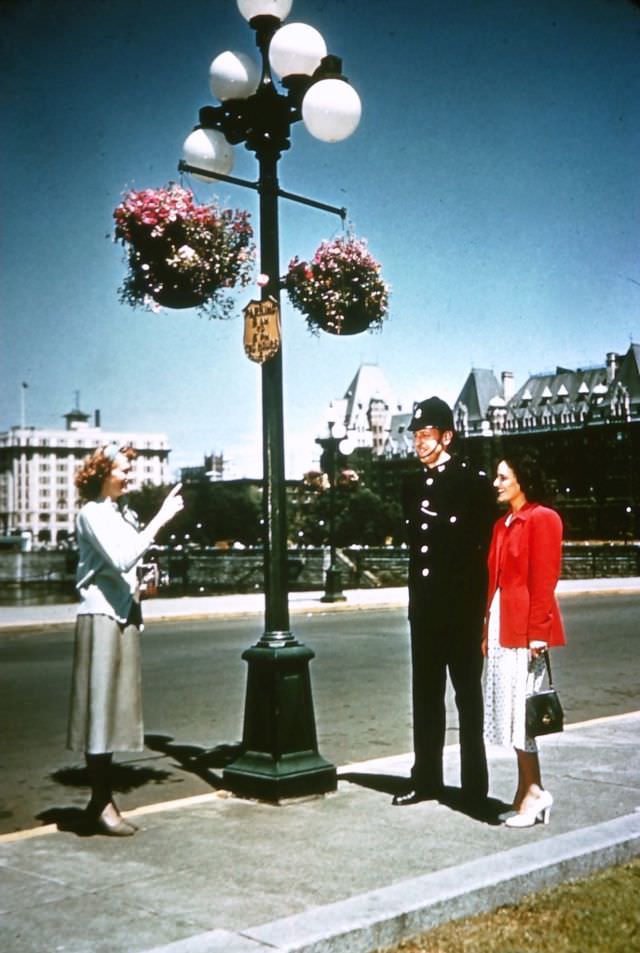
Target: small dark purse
<point x="544" y="714"/>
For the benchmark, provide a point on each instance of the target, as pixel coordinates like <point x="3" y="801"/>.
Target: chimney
<point x="96" y="419"/>
<point x="612" y="366"/>
<point x="507" y="385"/>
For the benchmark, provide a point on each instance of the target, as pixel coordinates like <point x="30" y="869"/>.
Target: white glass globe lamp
<point x="347" y="446"/>
<point x="296" y="49"/>
<point x="208" y="149"/>
<point x="264" y="8"/>
<point x="331" y="110"/>
<point x="233" y="76"/>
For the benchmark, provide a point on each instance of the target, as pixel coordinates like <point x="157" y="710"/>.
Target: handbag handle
<point x="547" y="661"/>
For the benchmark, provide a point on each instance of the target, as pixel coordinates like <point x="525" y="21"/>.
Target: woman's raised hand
<point x="171" y="504"/>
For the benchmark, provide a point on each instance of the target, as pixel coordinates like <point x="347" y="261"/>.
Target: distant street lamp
<point x="329" y="464"/>
<point x="279" y="756"/>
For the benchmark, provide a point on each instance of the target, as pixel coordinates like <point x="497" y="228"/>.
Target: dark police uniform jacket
<point x="449" y="513"/>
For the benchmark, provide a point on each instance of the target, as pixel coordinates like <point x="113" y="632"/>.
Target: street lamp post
<point x="330" y="454"/>
<point x="279" y="754"/>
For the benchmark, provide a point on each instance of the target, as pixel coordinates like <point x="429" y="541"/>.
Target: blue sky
<point x="494" y="173"/>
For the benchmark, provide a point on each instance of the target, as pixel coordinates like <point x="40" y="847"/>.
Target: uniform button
<point x="424" y="526"/>
<point x="429" y="481"/>
<point x="425" y="572"/>
<point x="424" y="549"/>
<point x="453" y="519"/>
<point x="425" y="503"/>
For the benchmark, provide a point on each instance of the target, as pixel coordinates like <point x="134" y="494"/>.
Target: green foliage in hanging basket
<point x="340" y="290"/>
<point x="181" y="254"/>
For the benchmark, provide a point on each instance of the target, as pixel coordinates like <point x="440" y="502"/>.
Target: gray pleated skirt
<point x="105" y="712"/>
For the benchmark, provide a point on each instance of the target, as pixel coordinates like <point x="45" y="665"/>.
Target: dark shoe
<point x="413" y="797"/>
<point x="474" y="799"/>
<point x="477" y="806"/>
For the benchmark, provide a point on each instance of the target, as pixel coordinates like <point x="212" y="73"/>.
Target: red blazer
<point x="524" y="562"/>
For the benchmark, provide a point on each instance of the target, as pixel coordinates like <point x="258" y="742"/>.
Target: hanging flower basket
<point x="181" y="254"/>
<point x="340" y="290"/>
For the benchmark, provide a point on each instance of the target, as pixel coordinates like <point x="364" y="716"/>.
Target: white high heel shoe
<point x="539" y="810"/>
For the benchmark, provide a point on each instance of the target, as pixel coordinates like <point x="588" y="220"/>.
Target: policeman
<point x="449" y="512"/>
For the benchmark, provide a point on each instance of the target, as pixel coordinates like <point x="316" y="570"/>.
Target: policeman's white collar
<point x="440" y="465"/>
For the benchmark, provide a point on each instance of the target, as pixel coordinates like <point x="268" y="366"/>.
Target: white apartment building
<point x="38" y="498"/>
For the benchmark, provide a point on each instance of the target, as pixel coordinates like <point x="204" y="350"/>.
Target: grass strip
<point x="599" y="914"/>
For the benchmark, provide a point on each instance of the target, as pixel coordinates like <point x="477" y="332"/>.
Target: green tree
<point x="212" y="512"/>
<point x="362" y="517"/>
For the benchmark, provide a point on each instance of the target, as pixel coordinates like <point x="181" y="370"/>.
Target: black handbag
<point x="544" y="714"/>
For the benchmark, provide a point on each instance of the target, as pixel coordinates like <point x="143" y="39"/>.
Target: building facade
<point x="38" y="498"/>
<point x="564" y="399"/>
<point x="584" y="425"/>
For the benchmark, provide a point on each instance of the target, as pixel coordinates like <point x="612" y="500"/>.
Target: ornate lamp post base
<point x="280" y="756"/>
<point x="333" y="586"/>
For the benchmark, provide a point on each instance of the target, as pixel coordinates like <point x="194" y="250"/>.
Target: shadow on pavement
<point x="385" y="783"/>
<point x="124" y="777"/>
<point x="199" y="761"/>
<point x="486" y="811"/>
<point x="127" y="777"/>
<point x="71" y="819"/>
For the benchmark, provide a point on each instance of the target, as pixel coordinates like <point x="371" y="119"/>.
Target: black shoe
<point x="414" y="797"/>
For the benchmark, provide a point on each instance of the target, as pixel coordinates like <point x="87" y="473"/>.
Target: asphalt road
<point x="193" y="678"/>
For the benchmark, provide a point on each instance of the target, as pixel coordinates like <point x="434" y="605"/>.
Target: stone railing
<point x="216" y="570"/>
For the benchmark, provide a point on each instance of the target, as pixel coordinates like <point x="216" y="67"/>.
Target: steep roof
<point x="560" y="387"/>
<point x="629" y="373"/>
<point x="368" y="384"/>
<point x="480" y="387"/>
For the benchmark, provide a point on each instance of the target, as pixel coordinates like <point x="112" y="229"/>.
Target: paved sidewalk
<point x="342" y="873"/>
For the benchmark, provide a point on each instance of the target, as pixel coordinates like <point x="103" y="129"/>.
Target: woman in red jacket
<point x="523" y="620"/>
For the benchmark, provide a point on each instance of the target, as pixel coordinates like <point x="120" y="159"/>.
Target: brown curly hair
<point x="95" y="469"/>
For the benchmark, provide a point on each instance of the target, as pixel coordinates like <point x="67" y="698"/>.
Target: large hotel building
<point x="38" y="498"/>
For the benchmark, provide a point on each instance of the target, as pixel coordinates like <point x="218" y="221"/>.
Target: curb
<point x="386" y="916"/>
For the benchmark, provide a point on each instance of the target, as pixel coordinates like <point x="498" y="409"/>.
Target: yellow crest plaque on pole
<point x="261" y="330"/>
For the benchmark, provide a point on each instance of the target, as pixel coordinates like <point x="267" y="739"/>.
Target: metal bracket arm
<point x="233" y="180"/>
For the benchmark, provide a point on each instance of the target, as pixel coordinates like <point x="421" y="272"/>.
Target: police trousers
<point x="437" y="648"/>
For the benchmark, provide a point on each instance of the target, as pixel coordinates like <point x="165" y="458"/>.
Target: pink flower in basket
<point x="181" y="254"/>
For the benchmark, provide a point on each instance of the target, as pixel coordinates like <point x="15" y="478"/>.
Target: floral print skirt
<point x="510" y="675"/>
